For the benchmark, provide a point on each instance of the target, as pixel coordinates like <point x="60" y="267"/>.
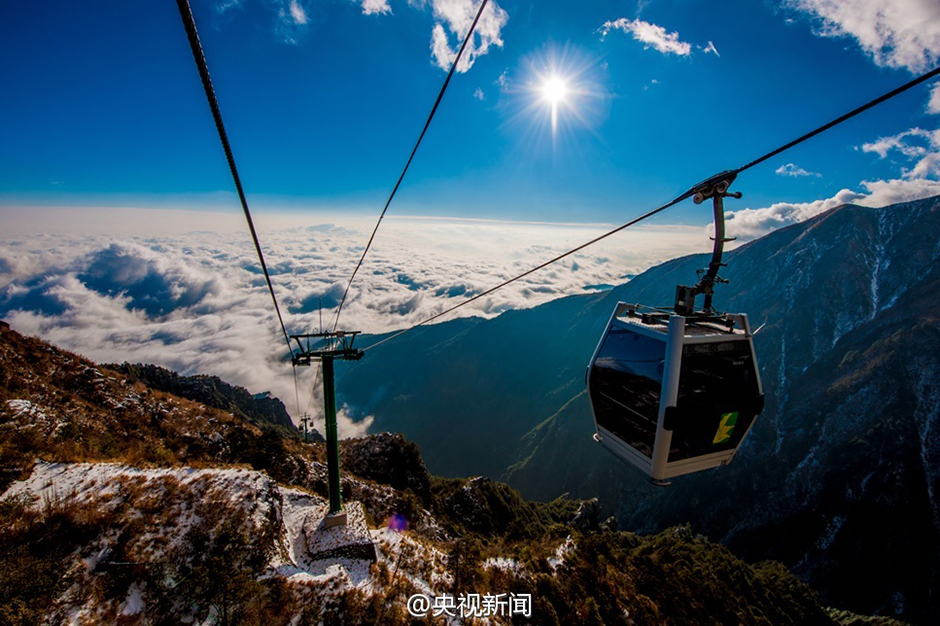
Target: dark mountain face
<point x="839" y="477"/>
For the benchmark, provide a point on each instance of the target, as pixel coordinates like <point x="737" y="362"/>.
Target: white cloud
<point x="478" y="94"/>
<point x="291" y="21"/>
<point x="896" y="33"/>
<point x="458" y="16"/>
<point x="503" y="81"/>
<point x="440" y="48"/>
<point x="195" y="302"/>
<point x="225" y="6"/>
<point x="900" y="142"/>
<point x="290" y="17"/>
<point x="884" y="192"/>
<point x="921" y="180"/>
<point x="913" y="144"/>
<point x="748" y="224"/>
<point x="795" y="171"/>
<point x="297" y="12"/>
<point x="376" y="7"/>
<point x="933" y="105"/>
<point x="650" y="34"/>
<point x="452" y="21"/>
<point x="711" y="48"/>
<point x="346" y="426"/>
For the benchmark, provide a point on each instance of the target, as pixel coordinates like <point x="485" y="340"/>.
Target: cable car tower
<point x="325" y="347"/>
<point x="676" y="391"/>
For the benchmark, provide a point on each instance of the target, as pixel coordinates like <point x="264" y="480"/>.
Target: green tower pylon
<point x="327" y="347"/>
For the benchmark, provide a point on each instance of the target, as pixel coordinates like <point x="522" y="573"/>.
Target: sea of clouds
<point x="183" y="289"/>
<point x="189" y="294"/>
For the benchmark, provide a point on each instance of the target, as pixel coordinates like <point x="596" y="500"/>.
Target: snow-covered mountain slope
<point x="227" y="526"/>
<point x="119" y="544"/>
<point x="163" y="527"/>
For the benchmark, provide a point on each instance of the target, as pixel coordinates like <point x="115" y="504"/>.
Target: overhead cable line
<point x="414" y="150"/>
<point x="688" y="194"/>
<point x="190" y="24"/>
<point x="920" y="79"/>
<point x="649" y="214"/>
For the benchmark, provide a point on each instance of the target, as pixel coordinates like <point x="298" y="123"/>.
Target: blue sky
<point x="120" y="233"/>
<point x="323" y="101"/>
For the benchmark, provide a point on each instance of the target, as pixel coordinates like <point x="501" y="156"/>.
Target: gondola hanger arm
<point x="715" y="188"/>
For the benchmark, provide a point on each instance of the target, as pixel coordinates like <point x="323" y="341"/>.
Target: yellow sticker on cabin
<point x="725" y="427"/>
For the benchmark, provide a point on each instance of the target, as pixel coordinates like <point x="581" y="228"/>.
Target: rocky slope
<point x="147" y="508"/>
<point x="840" y="475"/>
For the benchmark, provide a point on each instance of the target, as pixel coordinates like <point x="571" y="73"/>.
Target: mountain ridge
<point x="824" y="290"/>
<point x="213" y="391"/>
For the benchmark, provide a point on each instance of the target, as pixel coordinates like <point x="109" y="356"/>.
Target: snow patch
<point x="405" y="558"/>
<point x="503" y="563"/>
<point x="29" y="415"/>
<point x="134" y="603"/>
<point x="563" y="549"/>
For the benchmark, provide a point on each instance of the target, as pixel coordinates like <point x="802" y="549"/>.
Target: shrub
<point x="35" y="546"/>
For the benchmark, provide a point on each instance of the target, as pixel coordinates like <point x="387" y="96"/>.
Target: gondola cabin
<point x="674" y="394"/>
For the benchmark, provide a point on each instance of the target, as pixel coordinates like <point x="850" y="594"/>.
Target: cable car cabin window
<point x="718" y="398"/>
<point x="625" y="387"/>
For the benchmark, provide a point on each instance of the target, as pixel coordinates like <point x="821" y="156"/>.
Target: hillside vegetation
<point x="260" y="409"/>
<point x="123" y="504"/>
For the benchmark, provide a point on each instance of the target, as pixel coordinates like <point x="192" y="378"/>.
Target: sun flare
<point x="554" y="90"/>
<point x="562" y="92"/>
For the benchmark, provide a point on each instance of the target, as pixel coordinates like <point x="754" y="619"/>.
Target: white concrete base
<point x="337" y="519"/>
<point x="343" y="535"/>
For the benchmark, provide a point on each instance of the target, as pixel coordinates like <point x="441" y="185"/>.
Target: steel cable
<point x="190" y="24"/>
<point x="414" y="150"/>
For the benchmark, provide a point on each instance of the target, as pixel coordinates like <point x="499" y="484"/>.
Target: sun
<point x="561" y="91"/>
<point x="555" y="90"/>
